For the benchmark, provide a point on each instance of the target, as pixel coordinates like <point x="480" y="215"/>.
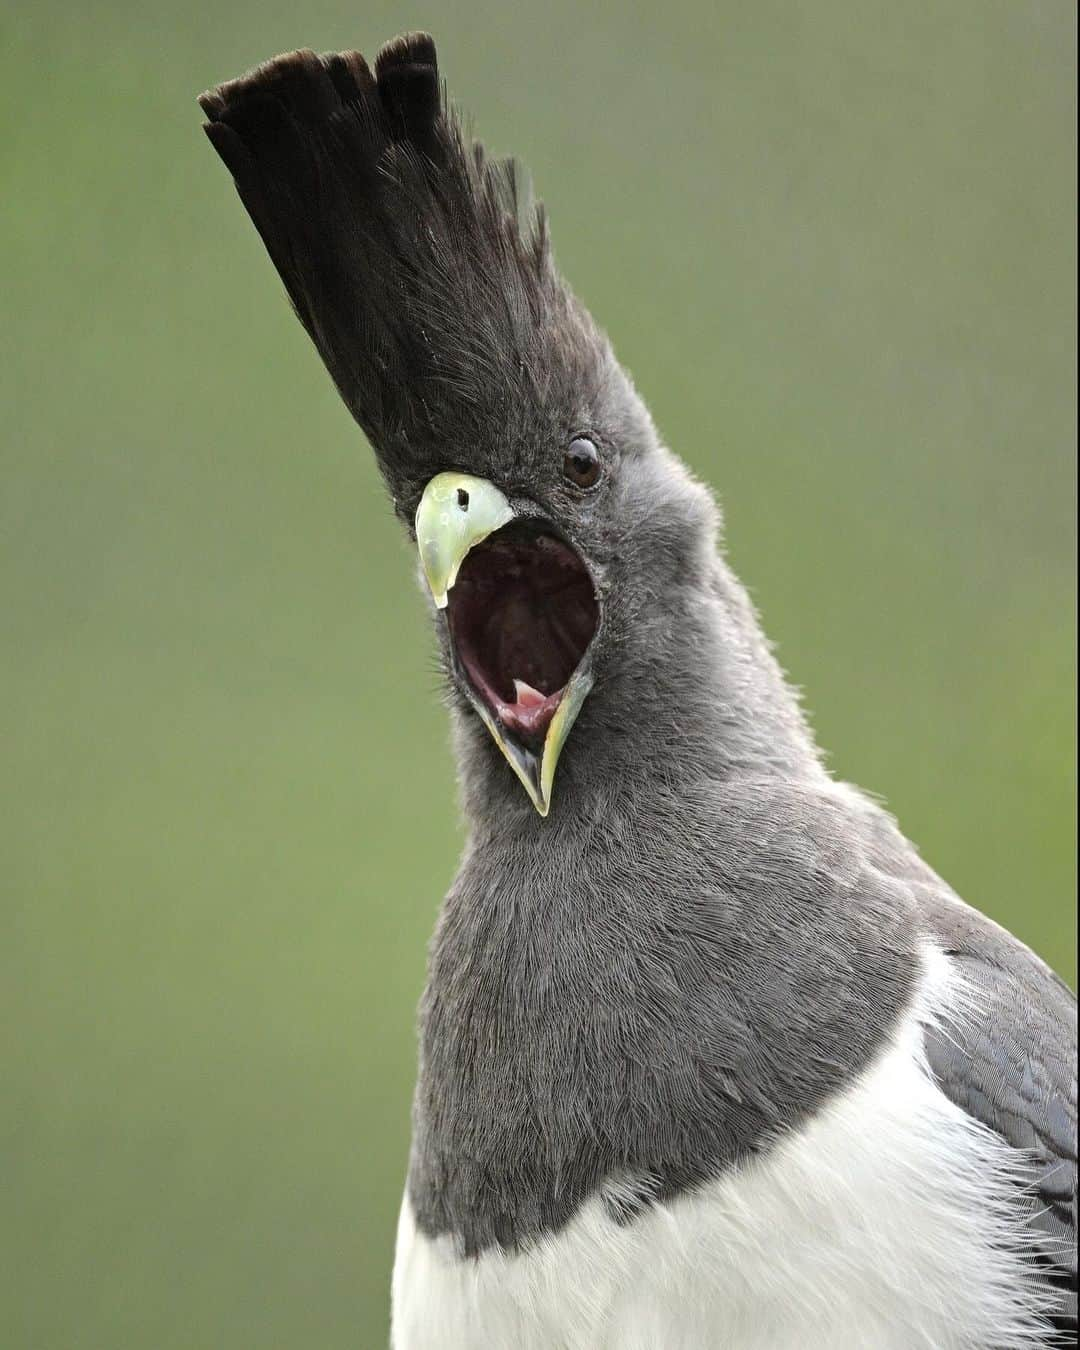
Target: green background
<point x="833" y="242"/>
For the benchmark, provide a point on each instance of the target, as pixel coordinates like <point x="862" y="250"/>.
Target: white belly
<point x="888" y="1223"/>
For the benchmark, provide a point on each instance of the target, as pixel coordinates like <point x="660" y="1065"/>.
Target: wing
<point x="1014" y="1069"/>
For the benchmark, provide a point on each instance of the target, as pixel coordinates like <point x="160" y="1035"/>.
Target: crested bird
<point x="709" y="1057"/>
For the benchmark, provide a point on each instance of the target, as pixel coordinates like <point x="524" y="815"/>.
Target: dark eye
<point x="581" y="463"/>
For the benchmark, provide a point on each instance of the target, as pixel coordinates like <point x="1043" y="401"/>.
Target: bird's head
<point x="548" y="519"/>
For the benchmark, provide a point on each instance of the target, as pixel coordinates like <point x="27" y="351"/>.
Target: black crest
<point x="424" y="280"/>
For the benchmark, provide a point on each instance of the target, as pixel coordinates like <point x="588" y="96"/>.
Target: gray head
<point x="564" y="546"/>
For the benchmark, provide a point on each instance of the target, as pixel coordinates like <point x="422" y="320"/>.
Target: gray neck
<point x="632" y="995"/>
<point x="714" y="705"/>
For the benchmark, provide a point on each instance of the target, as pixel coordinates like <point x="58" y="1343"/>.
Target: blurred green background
<point x="834" y="243"/>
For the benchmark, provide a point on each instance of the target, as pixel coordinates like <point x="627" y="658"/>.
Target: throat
<point x="691" y="692"/>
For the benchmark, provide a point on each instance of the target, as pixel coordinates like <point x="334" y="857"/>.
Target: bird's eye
<point x="581" y="463"/>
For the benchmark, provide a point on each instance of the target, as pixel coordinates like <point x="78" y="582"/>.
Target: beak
<point x="456" y="513"/>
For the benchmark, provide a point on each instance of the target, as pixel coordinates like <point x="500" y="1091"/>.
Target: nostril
<point x="463" y="499"/>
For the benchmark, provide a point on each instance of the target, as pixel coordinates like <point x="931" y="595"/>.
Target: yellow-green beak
<point x="457" y="512"/>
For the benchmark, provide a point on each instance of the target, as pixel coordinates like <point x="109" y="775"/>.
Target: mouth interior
<point x="522" y="613"/>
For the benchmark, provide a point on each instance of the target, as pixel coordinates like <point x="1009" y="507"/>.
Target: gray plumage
<point x="707" y="938"/>
<point x="1014" y="1069"/>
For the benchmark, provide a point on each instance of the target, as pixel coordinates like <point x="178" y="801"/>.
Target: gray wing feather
<point x="1014" y="1070"/>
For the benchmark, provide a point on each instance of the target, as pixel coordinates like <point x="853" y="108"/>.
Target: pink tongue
<point x="527" y="696"/>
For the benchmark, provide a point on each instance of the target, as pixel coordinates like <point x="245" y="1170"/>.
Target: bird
<point x="708" y="1055"/>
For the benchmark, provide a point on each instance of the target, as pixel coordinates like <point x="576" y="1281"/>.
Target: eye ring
<point x="581" y="463"/>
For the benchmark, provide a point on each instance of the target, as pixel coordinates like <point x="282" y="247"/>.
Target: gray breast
<point x="645" y="1004"/>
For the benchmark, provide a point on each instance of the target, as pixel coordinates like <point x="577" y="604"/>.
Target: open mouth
<point x="522" y="613"/>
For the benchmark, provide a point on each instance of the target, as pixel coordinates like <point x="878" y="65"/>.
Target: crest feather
<point x="418" y="264"/>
